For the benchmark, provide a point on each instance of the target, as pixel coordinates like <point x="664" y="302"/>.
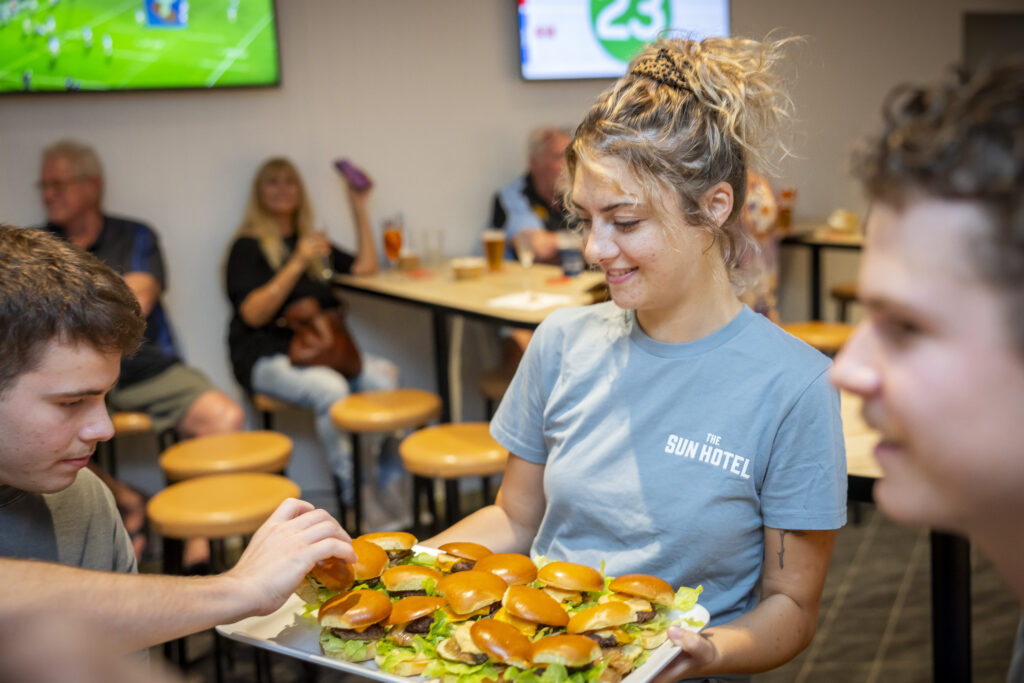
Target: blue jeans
<point x="318" y="387"/>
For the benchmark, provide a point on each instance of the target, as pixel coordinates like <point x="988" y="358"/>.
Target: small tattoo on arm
<point x="782" y="544"/>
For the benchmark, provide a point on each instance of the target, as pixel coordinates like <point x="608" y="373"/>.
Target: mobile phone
<point x="356" y="178"/>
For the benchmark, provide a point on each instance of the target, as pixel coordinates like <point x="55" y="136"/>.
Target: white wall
<point x="427" y="96"/>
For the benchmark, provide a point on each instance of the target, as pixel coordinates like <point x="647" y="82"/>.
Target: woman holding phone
<point x="673" y="431"/>
<point x="276" y="260"/>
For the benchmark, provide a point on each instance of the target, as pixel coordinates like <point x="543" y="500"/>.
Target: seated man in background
<point x="154" y="381"/>
<point x="939" y="358"/>
<point x="533" y="203"/>
<point x="65" y="322"/>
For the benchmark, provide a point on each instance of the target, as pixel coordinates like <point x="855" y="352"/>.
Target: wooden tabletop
<point x="439" y="288"/>
<point x="824" y="236"/>
<point x="860" y="439"/>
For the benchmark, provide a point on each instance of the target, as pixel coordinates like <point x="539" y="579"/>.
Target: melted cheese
<point x="527" y="628"/>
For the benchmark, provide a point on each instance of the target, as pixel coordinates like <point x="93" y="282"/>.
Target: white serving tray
<point x="290" y="633"/>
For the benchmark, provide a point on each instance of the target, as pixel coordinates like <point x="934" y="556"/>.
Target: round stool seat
<point x="261" y="451"/>
<point x="382" y="411"/>
<point x="827" y="337"/>
<point x="267" y="404"/>
<point x="450" y="451"/>
<point x="131" y="423"/>
<point x="494" y="384"/>
<point x="218" y="506"/>
<point x="845" y="291"/>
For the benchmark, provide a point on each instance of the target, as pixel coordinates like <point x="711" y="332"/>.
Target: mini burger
<point x="350" y="624"/>
<point x="513" y="568"/>
<point x="371" y="561"/>
<point x="575" y="653"/>
<point x="460" y="556"/>
<point x="485" y="640"/>
<point x="604" y="624"/>
<point x="471" y="593"/>
<point x="397" y="544"/>
<point x="405" y="580"/>
<point x="528" y="609"/>
<point x="410" y="617"/>
<point x="567" y="582"/>
<point x="649" y="597"/>
<point x="326" y="579"/>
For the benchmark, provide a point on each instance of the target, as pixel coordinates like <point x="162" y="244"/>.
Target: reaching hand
<point x="284" y="549"/>
<point x="696" y="652"/>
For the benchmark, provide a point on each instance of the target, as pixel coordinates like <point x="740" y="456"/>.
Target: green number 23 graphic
<point x="623" y="27"/>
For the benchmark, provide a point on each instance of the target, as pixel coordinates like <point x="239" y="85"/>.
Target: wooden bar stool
<point x="268" y="407"/>
<point x="380" y="412"/>
<point x="845" y="294"/>
<point x="450" y="452"/>
<point x="260" y="451"/>
<point x="127" y="424"/>
<point x="825" y="336"/>
<point x="215" y="507"/>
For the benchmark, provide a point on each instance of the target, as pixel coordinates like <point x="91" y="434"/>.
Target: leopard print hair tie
<point x="663" y="69"/>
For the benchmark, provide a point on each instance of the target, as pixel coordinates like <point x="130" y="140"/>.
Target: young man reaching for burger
<point x="65" y="321"/>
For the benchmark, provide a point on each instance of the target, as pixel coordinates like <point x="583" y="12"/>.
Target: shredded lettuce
<point x="686" y="598"/>
<point x="351" y="650"/>
<point x="424" y="560"/>
<point x="457" y="672"/>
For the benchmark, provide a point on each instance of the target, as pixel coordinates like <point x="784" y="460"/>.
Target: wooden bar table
<point x="817" y="239"/>
<point x="444" y="296"/>
<point x="950" y="556"/>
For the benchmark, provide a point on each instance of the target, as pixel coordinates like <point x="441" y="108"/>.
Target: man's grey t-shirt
<point x="79" y="526"/>
<point x="670" y="459"/>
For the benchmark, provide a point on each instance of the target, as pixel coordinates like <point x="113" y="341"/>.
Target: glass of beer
<point x="494" y="248"/>
<point x="392" y="240"/>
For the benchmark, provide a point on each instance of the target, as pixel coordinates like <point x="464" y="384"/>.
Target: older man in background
<point x="532" y="204"/>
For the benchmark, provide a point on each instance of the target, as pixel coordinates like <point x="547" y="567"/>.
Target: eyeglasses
<point x="58" y="185"/>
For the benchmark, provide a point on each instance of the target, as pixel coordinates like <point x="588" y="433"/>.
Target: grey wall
<point x="427" y="96"/>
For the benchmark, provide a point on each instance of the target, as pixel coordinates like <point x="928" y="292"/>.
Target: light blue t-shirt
<point x="669" y="459"/>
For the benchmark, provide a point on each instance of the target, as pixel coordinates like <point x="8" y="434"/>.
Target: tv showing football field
<point x="72" y="45"/>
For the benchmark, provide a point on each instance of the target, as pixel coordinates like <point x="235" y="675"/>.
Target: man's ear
<point x="718" y="202"/>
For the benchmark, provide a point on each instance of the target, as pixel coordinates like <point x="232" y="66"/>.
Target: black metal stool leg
<point x="485" y="487"/>
<point x="451" y="501"/>
<point x="435" y="515"/>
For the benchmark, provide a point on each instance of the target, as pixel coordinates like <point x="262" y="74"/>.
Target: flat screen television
<point x="560" y="39"/>
<point x="70" y="45"/>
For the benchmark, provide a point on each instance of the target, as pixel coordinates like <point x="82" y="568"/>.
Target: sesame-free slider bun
<point x="371" y="560"/>
<point x="514" y="568"/>
<point x="354" y="610"/>
<point x="334" y="574"/>
<point x="414" y="607"/>
<point x="502" y="643"/>
<point x="569" y="576"/>
<point x="534" y="605"/>
<point x="570" y="651"/>
<point x="602" y="616"/>
<point x="471" y="590"/>
<point x="460" y="555"/>
<point x="390" y="540"/>
<point x="408" y="577"/>
<point x="650" y="588"/>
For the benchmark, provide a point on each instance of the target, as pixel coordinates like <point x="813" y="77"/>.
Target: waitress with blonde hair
<point x="278" y="258"/>
<point x="672" y="430"/>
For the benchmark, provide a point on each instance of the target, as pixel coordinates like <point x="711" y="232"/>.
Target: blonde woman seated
<point x="277" y="258"/>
